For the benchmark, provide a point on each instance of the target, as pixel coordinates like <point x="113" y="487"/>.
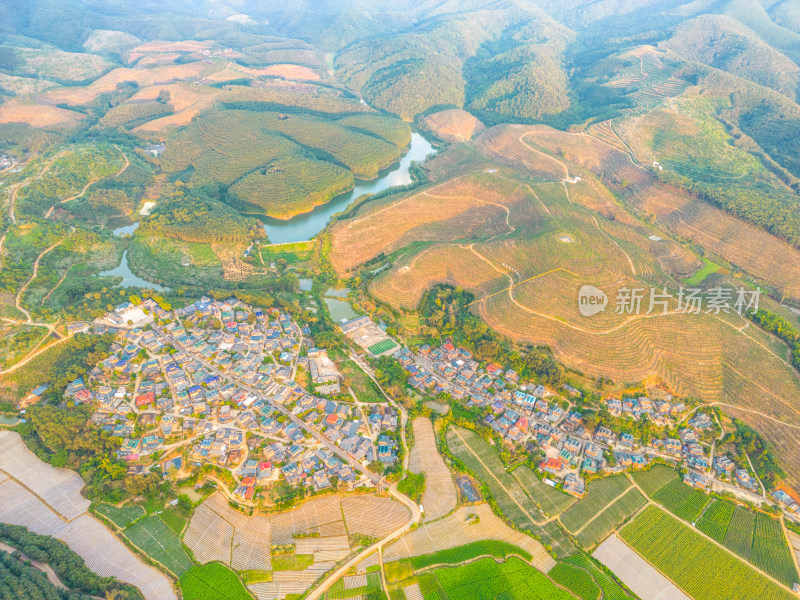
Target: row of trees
<point x="62" y="436"/>
<point x="70" y="568"/>
<point x="784" y="329"/>
<point x="20" y="581"/>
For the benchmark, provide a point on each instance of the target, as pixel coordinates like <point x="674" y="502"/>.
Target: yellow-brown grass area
<point x="286" y="71"/>
<point x="186" y="99"/>
<point x="406" y="282"/>
<point x="753" y="250"/>
<point x="505" y="144"/>
<point x="233" y="267"/>
<point x="36" y="115"/>
<point x="714" y="358"/>
<point x="676" y="260"/>
<point x="549" y="235"/>
<point x="157" y="47"/>
<point x="592" y="194"/>
<point x="159" y="58"/>
<point x="461" y="209"/>
<point x="527" y="285"/>
<point x="109" y="81"/>
<point x="456" y="161"/>
<point x="454" y="125"/>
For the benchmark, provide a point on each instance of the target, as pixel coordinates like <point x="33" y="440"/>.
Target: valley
<point x="399" y="301"/>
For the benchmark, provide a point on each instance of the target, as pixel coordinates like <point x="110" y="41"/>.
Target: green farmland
<point x="576" y="580"/>
<point x="715" y="520"/>
<point x="487" y="580"/>
<point x="770" y="551"/>
<point x="681" y="500"/>
<point x="460" y="554"/>
<point x="605" y="522"/>
<point x="549" y="500"/>
<point x="153" y="537"/>
<point x="610" y="588"/>
<point x="701" y="568"/>
<point x="480" y="458"/>
<point x="213" y="581"/>
<point x="601" y="493"/>
<point x="655" y="478"/>
<point x="120" y="516"/>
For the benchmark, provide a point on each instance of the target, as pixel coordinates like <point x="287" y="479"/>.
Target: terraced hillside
<point x="526" y="236"/>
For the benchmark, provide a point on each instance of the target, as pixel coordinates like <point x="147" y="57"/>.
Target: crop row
<point x="701" y="568"/>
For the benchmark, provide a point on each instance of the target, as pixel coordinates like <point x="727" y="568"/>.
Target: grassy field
<point x="655" y="478"/>
<point x="257" y="576"/>
<point x="601" y="494"/>
<point x="291" y="253"/>
<point x="702" y="569"/>
<point x="576" y="580"/>
<point x="121" y="517"/>
<point x="363" y="387"/>
<point x="292" y="562"/>
<point x="153" y="537"/>
<point x="771" y="551"/>
<point x="461" y="554"/>
<point x="213" y="581"/>
<point x="699" y="277"/>
<point x="610" y="588"/>
<point x="487" y="580"/>
<point x="549" y="500"/>
<point x="715" y="520"/>
<point x="682" y="500"/>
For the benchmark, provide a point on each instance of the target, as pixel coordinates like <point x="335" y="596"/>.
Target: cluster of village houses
<point x="155" y="396"/>
<point x="522" y="414"/>
<point x="206" y="389"/>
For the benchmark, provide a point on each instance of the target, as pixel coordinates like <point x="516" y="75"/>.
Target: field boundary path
<point x="600" y="512"/>
<point x="652" y="502"/>
<point x="488" y="470"/>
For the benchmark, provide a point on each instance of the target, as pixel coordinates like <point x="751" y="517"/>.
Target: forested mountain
<point x="565" y="63"/>
<point x="723" y="42"/>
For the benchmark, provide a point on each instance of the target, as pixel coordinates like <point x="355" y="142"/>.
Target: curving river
<point x="306" y="226"/>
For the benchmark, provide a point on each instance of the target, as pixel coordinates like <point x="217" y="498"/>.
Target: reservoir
<point x="306" y="226"/>
<point x="128" y="278"/>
